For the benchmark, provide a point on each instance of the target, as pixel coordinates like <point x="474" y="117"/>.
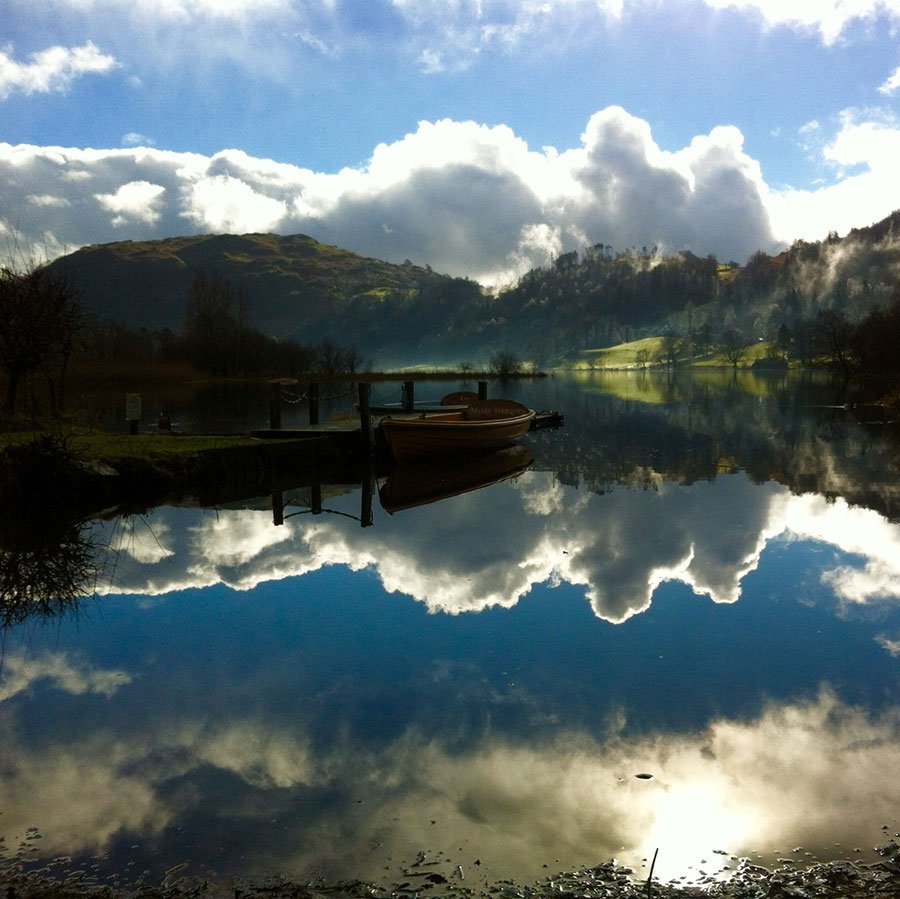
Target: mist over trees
<point x="803" y="304"/>
<point x="253" y="303"/>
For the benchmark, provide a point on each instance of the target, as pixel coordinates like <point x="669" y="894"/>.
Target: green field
<point x="647" y="352"/>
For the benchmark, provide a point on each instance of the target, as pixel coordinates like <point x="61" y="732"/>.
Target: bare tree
<point x="504" y="363"/>
<point x="40" y="315"/>
<point x="833" y="338"/>
<point x="215" y="318"/>
<point x="733" y="346"/>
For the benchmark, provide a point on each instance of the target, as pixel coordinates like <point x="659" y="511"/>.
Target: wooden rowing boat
<point x="482" y="427"/>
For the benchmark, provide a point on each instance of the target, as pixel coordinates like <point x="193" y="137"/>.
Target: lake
<point x="671" y="626"/>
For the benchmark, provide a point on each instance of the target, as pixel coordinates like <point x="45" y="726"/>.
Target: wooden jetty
<point x="362" y="434"/>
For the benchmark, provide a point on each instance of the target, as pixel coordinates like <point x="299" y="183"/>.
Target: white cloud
<point x="47" y="200"/>
<point x="263" y="36"/>
<point x="83" y="795"/>
<point x="600" y="545"/>
<point x="862" y="157"/>
<point x="53" y="69"/>
<point x="21" y="671"/>
<point x="136" y="201"/>
<point x="503" y="207"/>
<point x="451" y="36"/>
<point x="829" y="18"/>
<point x="221" y="203"/>
<point x="891" y="84"/>
<point x="136" y="139"/>
<point x="228" y="9"/>
<point x="184" y="10"/>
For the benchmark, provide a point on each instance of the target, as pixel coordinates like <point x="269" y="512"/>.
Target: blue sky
<point x="481" y="138"/>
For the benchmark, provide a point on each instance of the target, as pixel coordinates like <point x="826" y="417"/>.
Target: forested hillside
<point x="602" y="297"/>
<point x="294" y="288"/>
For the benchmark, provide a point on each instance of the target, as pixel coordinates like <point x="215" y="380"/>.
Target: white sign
<point x="132" y="407"/>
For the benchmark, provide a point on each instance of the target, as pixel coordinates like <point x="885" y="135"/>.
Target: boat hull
<point x="450" y="434"/>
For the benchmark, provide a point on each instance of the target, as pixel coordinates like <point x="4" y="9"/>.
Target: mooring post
<point x="315" y="498"/>
<point x="277" y="508"/>
<point x="365" y="418"/>
<point x="312" y="393"/>
<point x="365" y="512"/>
<point x="275" y="406"/>
<point x="482" y="390"/>
<point x="409" y="396"/>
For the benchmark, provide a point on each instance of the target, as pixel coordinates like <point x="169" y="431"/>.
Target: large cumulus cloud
<point x="468" y="199"/>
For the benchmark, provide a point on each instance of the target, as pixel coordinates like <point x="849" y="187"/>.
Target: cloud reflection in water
<point x="808" y="774"/>
<point x="313" y="739"/>
<point x="619" y="546"/>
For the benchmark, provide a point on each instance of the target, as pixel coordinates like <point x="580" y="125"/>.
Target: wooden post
<point x="365" y="512"/>
<point x="312" y="393"/>
<point x="315" y="498"/>
<point x="275" y="406"/>
<point x="409" y="396"/>
<point x="482" y="390"/>
<point x="365" y="418"/>
<point x="277" y="508"/>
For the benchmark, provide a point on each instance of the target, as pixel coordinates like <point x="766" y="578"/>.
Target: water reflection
<point x="48" y="563"/>
<point x="483" y="677"/>
<point x="430" y="480"/>
<point x="619" y="547"/>
<point x="261" y="792"/>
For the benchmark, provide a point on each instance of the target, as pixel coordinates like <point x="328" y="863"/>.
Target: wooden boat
<point x="482" y="427"/>
<point x="430" y="479"/>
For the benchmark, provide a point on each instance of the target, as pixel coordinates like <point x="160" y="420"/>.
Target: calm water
<point x="696" y="580"/>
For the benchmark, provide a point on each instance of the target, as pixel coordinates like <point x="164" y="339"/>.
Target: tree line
<point x="44" y="331"/>
<point x="601" y="297"/>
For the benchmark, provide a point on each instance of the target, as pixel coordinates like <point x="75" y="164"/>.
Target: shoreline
<point x="839" y="879"/>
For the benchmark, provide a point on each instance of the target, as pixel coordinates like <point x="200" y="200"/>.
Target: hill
<point x="291" y="286"/>
<point x="295" y="287"/>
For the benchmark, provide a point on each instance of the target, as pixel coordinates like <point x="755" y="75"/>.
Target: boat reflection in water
<point x="428" y="480"/>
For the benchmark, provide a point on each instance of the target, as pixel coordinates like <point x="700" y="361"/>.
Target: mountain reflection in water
<point x="701" y="585"/>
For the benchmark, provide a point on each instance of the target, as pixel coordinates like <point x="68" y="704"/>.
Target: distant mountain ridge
<point x="296" y="287"/>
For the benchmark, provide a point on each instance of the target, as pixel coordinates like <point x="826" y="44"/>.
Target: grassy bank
<point x="649" y="353"/>
<point x="82" y="473"/>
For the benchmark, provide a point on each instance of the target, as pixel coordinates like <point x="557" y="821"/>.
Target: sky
<point x="480" y="137"/>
